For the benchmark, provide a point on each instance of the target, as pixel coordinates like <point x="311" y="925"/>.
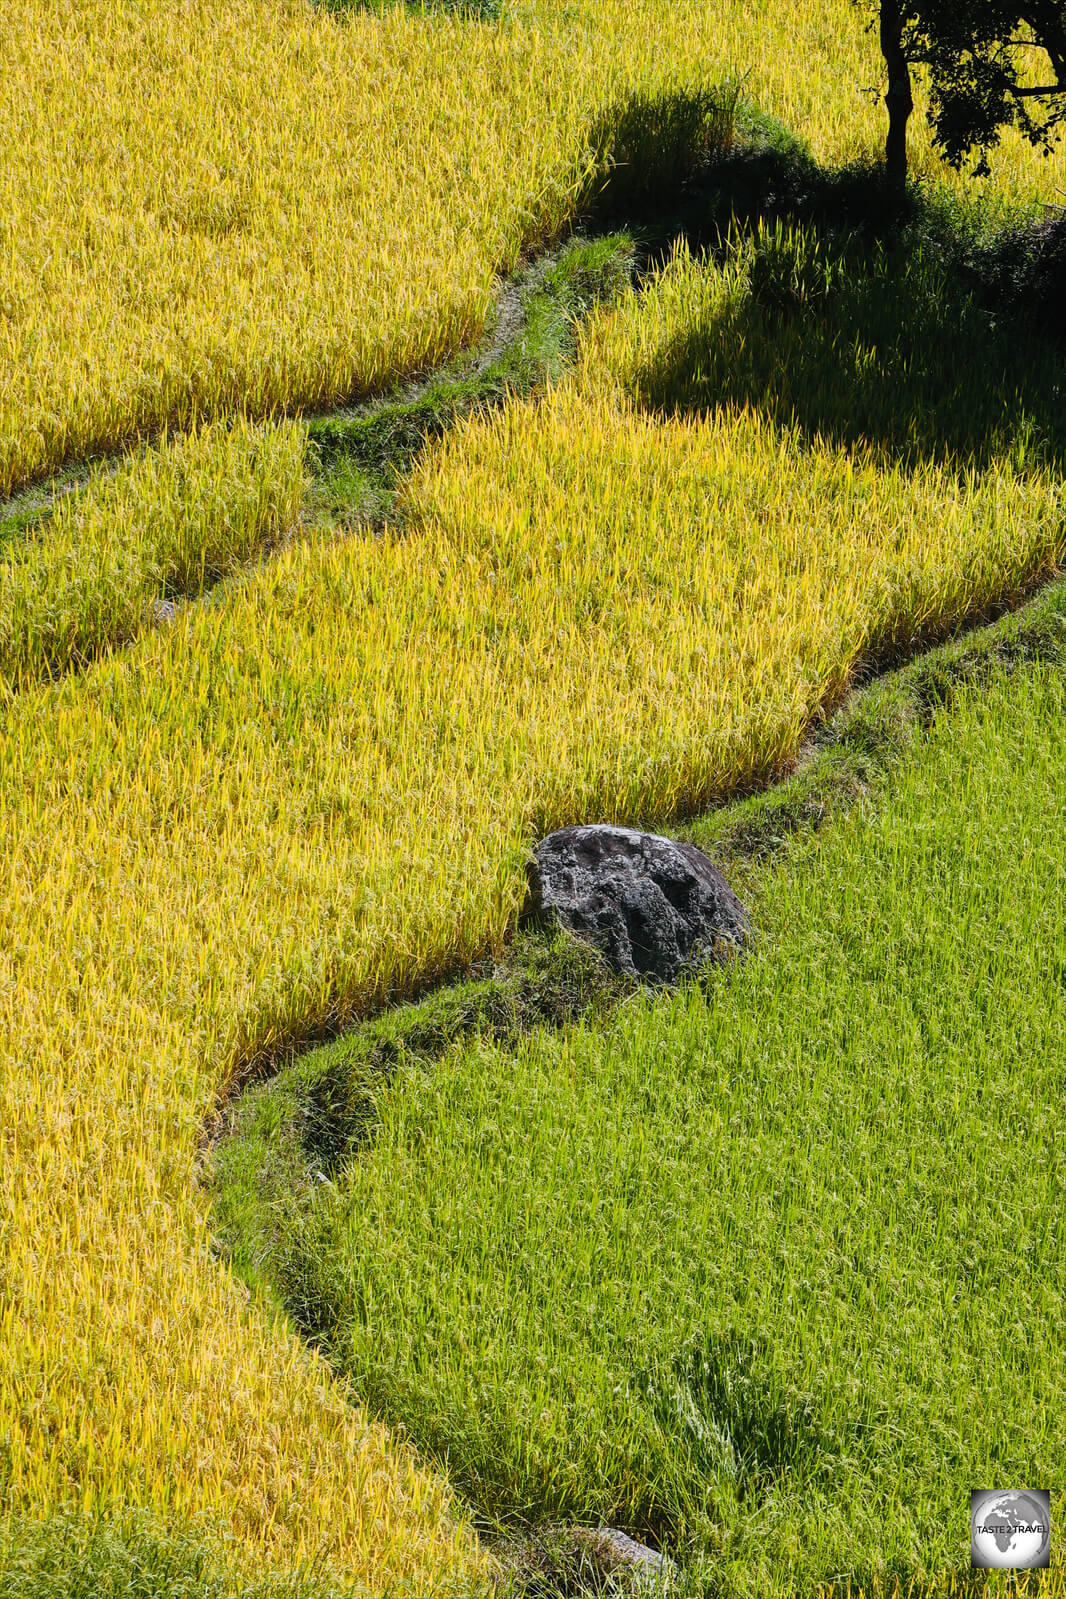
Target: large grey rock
<point x="654" y="907"/>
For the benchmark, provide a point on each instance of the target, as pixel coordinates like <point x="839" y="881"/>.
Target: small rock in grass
<point x="616" y="1552"/>
<point x="162" y="611"/>
<point x="652" y="906"/>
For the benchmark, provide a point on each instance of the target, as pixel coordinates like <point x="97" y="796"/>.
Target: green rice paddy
<point x="768" y="1271"/>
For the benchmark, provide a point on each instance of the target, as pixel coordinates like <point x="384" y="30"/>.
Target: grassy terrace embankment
<point x="730" y="1267"/>
<point x="315" y="790"/>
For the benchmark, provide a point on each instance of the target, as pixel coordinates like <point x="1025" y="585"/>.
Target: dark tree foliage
<point x="990" y="64"/>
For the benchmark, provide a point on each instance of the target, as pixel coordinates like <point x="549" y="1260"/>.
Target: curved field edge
<point x="727" y="1266"/>
<point x="310" y="247"/>
<point x="192" y="881"/>
<point x="87" y="570"/>
<point x="329" y="1092"/>
<point x="182" y="898"/>
<point x="164" y="525"/>
<point x="279" y="1141"/>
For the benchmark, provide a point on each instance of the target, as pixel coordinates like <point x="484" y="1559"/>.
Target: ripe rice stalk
<point x="232" y="205"/>
<point x="299" y="802"/>
<point x="162" y="527"/>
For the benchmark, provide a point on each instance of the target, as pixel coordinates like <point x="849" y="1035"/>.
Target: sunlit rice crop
<point x="313" y="795"/>
<point x="163" y="526"/>
<point x="247" y="204"/>
<point x="319" y="789"/>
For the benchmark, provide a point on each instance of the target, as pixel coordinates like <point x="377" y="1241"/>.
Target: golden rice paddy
<point x="163" y="526"/>
<point x="318" y="790"/>
<point x="250" y="206"/>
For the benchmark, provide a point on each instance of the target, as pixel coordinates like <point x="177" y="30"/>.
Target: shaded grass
<point x="865" y="344"/>
<point x="731" y="1269"/>
<point x="654" y="147"/>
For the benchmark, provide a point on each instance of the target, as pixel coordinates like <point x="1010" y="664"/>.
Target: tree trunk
<point x="898" y="100"/>
<point x="1047" y="18"/>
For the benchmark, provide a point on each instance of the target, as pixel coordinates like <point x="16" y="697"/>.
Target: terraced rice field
<point x="219" y="207"/>
<point x="314" y="790"/>
<point x="732" y="1267"/>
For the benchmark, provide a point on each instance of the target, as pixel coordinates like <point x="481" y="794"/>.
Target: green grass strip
<point x="358" y="456"/>
<point x="138" y="1555"/>
<point x="731" y="1267"/>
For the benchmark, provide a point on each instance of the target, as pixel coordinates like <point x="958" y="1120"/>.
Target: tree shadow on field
<point x="703" y="164"/>
<point x="868" y="342"/>
<point x="856" y="317"/>
<point x="652" y="151"/>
